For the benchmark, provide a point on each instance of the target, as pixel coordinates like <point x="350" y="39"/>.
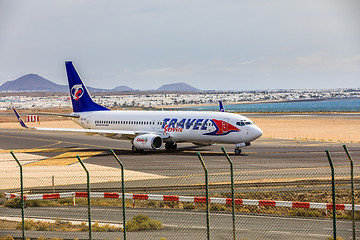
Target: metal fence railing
<point x="204" y="201"/>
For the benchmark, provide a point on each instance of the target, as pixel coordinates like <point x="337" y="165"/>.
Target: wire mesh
<point x="282" y="196"/>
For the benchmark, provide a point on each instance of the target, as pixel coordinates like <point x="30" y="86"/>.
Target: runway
<point x="276" y="160"/>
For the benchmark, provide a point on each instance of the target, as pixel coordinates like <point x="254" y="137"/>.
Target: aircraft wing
<point x="105" y="132"/>
<point x="91" y="131"/>
<point x="125" y="134"/>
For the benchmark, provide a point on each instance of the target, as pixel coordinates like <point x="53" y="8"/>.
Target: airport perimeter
<point x="282" y="189"/>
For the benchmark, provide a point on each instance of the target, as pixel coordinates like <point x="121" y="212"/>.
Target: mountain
<point x="122" y="89"/>
<point x="178" y="87"/>
<point x="36" y="83"/>
<point x="32" y="83"/>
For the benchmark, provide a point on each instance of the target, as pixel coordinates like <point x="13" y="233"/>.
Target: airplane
<point x="151" y="130"/>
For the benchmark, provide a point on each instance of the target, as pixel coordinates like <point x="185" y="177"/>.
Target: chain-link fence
<point x="283" y="200"/>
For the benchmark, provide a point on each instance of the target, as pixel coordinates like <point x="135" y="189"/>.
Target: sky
<point x="211" y="45"/>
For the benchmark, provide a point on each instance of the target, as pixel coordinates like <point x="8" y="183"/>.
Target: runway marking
<point x="42" y="150"/>
<point x="64" y="159"/>
<point x="49" y="140"/>
<point x="49" y="145"/>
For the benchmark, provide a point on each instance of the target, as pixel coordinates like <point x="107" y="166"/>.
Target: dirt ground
<point x="322" y="128"/>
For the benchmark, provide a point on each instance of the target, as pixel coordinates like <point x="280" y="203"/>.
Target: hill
<point x="178" y="87"/>
<point x="32" y="83"/>
<point x="122" y="89"/>
<point x="36" y="83"/>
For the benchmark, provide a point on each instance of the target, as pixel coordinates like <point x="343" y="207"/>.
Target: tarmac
<point x="49" y="161"/>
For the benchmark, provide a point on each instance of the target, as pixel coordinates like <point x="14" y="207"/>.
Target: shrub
<point x="217" y="207"/>
<point x="7" y="238"/>
<point x="66" y="201"/>
<point x="28" y="225"/>
<point x="304" y="213"/>
<point x="142" y="222"/>
<point x="83" y="227"/>
<point x="96" y="227"/>
<point x="188" y="205"/>
<point x="332" y="238"/>
<point x="36" y="203"/>
<point x="16" y="203"/>
<point x="13" y="203"/>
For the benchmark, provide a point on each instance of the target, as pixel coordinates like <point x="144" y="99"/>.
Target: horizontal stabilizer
<point x="59" y="114"/>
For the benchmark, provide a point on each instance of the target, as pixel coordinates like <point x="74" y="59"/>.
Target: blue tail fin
<point x="222" y="109"/>
<point x="80" y="97"/>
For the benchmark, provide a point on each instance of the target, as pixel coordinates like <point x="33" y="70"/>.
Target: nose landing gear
<point x="238" y="147"/>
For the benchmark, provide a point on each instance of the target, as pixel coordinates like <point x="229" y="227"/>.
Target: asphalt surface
<point x="266" y="160"/>
<point x="187" y="224"/>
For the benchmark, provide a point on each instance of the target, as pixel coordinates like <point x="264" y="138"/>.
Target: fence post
<point x="88" y="194"/>
<point x="122" y="189"/>
<point x="207" y="197"/>
<point x="22" y="196"/>
<point x="333" y="192"/>
<point x="352" y="190"/>
<point x="232" y="190"/>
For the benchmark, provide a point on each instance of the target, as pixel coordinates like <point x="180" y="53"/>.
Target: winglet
<point x="222" y="109"/>
<point x="22" y="123"/>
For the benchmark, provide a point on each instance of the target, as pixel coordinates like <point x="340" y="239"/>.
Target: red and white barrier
<point x="244" y="202"/>
<point x="32" y="118"/>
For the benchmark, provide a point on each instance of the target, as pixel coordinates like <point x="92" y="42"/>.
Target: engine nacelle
<point x="148" y="141"/>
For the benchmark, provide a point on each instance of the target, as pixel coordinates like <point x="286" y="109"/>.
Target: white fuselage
<point x="177" y="126"/>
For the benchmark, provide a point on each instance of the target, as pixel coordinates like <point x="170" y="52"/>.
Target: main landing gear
<point x="170" y="146"/>
<point x="134" y="149"/>
<point x="237" y="151"/>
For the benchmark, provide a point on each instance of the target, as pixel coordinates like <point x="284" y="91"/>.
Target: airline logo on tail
<point x="77" y="91"/>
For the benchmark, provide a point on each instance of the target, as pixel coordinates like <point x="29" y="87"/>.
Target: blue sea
<point x="333" y="105"/>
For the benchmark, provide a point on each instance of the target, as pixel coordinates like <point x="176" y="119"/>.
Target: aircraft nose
<point x="256" y="132"/>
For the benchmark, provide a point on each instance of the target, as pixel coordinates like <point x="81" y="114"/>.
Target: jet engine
<point x="148" y="141"/>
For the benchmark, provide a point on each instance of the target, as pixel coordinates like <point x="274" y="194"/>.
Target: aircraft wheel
<point x="167" y="146"/>
<point x="170" y="146"/>
<point x="134" y="149"/>
<point x="237" y="151"/>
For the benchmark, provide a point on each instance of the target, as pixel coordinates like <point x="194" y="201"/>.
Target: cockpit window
<point x="243" y="123"/>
